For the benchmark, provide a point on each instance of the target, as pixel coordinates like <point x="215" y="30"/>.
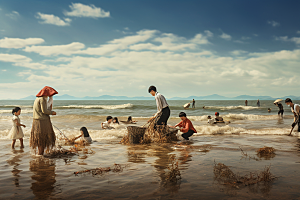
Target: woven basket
<point x="135" y="134"/>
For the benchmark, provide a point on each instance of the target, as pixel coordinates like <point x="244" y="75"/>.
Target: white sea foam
<point x="22" y="111"/>
<point x="240" y="116"/>
<point x="228" y="130"/>
<point x="108" y="107"/>
<point x="232" y="107"/>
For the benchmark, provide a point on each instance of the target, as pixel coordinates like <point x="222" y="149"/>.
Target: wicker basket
<point x="135" y="134"/>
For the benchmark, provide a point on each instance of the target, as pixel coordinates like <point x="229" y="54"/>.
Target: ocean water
<point x="26" y="176"/>
<point x="71" y="115"/>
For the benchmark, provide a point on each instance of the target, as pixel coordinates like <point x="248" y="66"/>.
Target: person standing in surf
<point x="163" y="110"/>
<point x="258" y="103"/>
<point x="246" y="103"/>
<point x="295" y="108"/>
<point x="42" y="133"/>
<point x="193" y="105"/>
<point x="280" y="106"/>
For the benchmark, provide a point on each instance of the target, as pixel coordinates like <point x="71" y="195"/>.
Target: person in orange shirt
<point x="186" y="126"/>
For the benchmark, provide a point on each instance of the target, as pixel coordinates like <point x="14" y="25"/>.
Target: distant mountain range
<point x="209" y="97"/>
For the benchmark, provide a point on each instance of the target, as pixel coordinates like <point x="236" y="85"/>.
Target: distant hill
<point x="208" y="97"/>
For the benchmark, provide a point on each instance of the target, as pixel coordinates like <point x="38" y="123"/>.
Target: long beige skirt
<point x="42" y="134"/>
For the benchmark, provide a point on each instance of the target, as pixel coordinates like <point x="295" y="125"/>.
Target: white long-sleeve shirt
<point x="161" y="102"/>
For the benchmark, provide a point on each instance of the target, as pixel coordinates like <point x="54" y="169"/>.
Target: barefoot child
<point x="85" y="136"/>
<point x="186" y="126"/>
<point x="16" y="131"/>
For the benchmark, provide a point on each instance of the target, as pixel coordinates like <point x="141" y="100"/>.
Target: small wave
<point x="228" y="130"/>
<point x="22" y="111"/>
<point x="108" y="107"/>
<point x="240" y="107"/>
<point x="240" y="116"/>
<point x="13" y="106"/>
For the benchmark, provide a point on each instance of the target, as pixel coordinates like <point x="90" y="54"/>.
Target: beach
<point x="144" y="168"/>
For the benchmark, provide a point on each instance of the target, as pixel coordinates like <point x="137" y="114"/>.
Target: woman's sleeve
<point x="44" y="107"/>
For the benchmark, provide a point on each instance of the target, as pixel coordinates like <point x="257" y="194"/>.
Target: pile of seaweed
<point x="116" y="168"/>
<point x="154" y="134"/>
<point x="173" y="175"/>
<point x="225" y="176"/>
<point x="266" y="152"/>
<point x="60" y="152"/>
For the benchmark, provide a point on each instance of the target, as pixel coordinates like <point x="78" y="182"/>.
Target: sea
<point x="27" y="176"/>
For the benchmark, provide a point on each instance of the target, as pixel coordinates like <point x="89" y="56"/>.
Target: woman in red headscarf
<point x="42" y="134"/>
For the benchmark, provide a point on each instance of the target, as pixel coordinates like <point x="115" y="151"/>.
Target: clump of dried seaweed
<point x="155" y="133"/>
<point x="266" y="152"/>
<point x="60" y="152"/>
<point x="225" y="176"/>
<point x="173" y="175"/>
<point x="116" y="168"/>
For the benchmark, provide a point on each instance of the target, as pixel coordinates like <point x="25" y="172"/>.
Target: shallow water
<point x="26" y="176"/>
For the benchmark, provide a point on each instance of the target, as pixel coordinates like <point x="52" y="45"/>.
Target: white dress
<point x="87" y="139"/>
<point x="16" y="132"/>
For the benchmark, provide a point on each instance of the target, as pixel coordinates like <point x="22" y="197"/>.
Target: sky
<point x="121" y="47"/>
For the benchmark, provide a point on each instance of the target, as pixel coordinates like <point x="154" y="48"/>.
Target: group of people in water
<point x="43" y="137"/>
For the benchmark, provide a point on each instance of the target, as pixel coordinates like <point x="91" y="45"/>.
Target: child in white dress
<point x="16" y="131"/>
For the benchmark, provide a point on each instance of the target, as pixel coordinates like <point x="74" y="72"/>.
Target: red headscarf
<point x="47" y="91"/>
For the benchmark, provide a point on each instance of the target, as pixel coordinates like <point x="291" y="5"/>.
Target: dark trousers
<point x="188" y="134"/>
<point x="193" y="106"/>
<point x="163" y="119"/>
<point x="298" y="125"/>
<point x="280" y="112"/>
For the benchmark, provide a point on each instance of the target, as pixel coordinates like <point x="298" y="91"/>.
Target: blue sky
<point x="93" y="48"/>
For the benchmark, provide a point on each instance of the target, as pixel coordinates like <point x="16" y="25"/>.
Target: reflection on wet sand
<point x="15" y="163"/>
<point x="137" y="153"/>
<point x="44" y="177"/>
<point x="163" y="152"/>
<point x="280" y="121"/>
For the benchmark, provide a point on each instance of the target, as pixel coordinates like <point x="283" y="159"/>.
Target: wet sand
<point x="26" y="176"/>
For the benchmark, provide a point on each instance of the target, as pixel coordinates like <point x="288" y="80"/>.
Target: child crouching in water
<point x="186" y="126"/>
<point x="16" y="131"/>
<point x="85" y="136"/>
<point x="106" y="125"/>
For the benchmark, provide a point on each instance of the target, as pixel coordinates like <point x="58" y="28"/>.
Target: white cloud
<point x="287" y="39"/>
<point x="13" y="15"/>
<point x="208" y="33"/>
<point x="81" y="10"/>
<point x="52" y="19"/>
<point x="273" y="23"/>
<point x="14" y="58"/>
<point x="298" y="32"/>
<point x="241" y="42"/>
<point x="225" y="36"/>
<point x="4" y="70"/>
<point x="122" y="64"/>
<point x="67" y="49"/>
<point x="238" y="52"/>
<point x="17" y="43"/>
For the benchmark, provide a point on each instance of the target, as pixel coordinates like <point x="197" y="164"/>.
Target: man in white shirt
<point x="162" y="107"/>
<point x="295" y="108"/>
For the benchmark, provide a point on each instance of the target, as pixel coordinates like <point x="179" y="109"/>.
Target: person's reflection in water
<point x="15" y="163"/>
<point x="136" y="154"/>
<point x="280" y="121"/>
<point x="163" y="152"/>
<point x="44" y="177"/>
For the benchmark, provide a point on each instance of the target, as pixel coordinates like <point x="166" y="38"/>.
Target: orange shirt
<point x="186" y="126"/>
